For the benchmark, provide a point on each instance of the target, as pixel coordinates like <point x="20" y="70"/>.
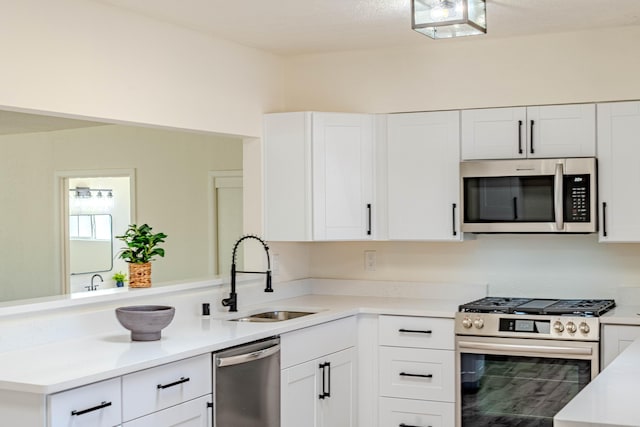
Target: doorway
<point x="226" y="219"/>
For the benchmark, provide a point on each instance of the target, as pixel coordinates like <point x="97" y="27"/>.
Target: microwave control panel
<point x="577" y="198"/>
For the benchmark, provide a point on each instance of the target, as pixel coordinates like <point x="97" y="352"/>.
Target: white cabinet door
<point x="194" y="413"/>
<point x="619" y="171"/>
<point x="547" y="131"/>
<point x="561" y="131"/>
<point x="409" y="412"/>
<point x="300" y="388"/>
<point x="338" y="409"/>
<point x="423" y="178"/>
<point x="615" y="339"/>
<point x="320" y="392"/>
<point x="342" y="176"/>
<point x="318" y="176"/>
<point x="494" y="133"/>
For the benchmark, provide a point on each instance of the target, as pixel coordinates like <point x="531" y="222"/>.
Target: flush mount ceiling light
<point x="443" y="19"/>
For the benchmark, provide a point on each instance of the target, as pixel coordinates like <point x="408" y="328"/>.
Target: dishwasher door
<point x="247" y="385"/>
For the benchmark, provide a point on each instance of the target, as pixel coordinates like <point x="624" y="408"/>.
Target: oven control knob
<point x="584" y="328"/>
<point x="571" y="327"/>
<point x="557" y="326"/>
<point x="467" y="323"/>
<point x="479" y="323"/>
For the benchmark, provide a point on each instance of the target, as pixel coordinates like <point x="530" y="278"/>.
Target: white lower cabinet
<point x="194" y="413"/>
<point x="405" y="412"/>
<point x="170" y="395"/>
<point x="416" y="362"/>
<point x="319" y="392"/>
<point x="615" y="338"/>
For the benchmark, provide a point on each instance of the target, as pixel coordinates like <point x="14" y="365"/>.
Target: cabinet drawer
<point x="397" y="412"/>
<point x="420" y="332"/>
<point x="417" y="373"/>
<point x="95" y="405"/>
<point x="158" y="388"/>
<point x="194" y="413"/>
<point x="311" y="343"/>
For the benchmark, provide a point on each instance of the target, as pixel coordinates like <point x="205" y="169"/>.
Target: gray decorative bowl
<point x="145" y="321"/>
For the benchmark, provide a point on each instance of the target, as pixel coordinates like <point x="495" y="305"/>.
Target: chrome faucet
<point x="93" y="287"/>
<point x="232" y="301"/>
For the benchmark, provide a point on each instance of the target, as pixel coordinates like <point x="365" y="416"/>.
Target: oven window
<point x="509" y="199"/>
<point x="507" y="391"/>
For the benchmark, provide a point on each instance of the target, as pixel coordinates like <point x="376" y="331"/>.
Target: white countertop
<point x="622" y="315"/>
<point x="70" y="363"/>
<point x="611" y="399"/>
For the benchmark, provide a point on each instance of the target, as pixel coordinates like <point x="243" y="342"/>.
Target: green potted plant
<point x="119" y="278"/>
<point x="142" y="248"/>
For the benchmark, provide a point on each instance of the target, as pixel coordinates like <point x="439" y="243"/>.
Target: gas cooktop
<point x="574" y="307"/>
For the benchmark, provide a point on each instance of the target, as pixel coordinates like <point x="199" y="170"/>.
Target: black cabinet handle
<point x="604" y="219"/>
<point x="95" y="408"/>
<point x="369" y="219"/>
<point x="532" y="123"/>
<point x="408" y="425"/>
<point x="209" y="404"/>
<point x="325" y="381"/>
<point x="414" y="331"/>
<point x="519" y="136"/>
<point x="453" y="218"/>
<point x="182" y="380"/>
<point x="404" y="374"/>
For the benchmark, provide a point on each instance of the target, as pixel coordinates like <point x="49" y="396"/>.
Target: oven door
<point x="505" y="382"/>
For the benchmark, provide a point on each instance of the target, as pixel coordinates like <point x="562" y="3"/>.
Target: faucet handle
<point x="268" y="288"/>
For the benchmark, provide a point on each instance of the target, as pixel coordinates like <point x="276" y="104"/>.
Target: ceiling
<point x="12" y="123"/>
<point x="291" y="27"/>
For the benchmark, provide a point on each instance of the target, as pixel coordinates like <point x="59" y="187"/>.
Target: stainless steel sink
<point x="273" y="316"/>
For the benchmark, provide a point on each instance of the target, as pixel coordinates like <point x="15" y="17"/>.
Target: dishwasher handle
<point x="247" y="357"/>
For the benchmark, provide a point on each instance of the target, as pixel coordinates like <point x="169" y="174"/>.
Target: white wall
<point x="467" y="73"/>
<point x="87" y="58"/>
<point x="172" y="187"/>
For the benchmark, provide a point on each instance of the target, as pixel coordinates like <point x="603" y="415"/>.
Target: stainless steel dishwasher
<point x="247" y="385"/>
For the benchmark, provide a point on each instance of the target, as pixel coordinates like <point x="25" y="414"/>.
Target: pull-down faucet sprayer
<point x="232" y="301"/>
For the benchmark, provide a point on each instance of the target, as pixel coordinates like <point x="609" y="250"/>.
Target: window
<point x="90" y="227"/>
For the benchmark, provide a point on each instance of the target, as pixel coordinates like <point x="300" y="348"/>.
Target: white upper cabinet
<point x="529" y="132"/>
<point x="619" y="171"/>
<point x="423" y="178"/>
<point x="318" y="176"/>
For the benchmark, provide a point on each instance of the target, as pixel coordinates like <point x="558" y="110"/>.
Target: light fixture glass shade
<point x="441" y="19"/>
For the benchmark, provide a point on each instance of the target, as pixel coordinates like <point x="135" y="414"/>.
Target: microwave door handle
<point x="558" y="197"/>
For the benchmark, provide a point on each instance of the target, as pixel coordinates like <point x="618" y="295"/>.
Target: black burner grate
<point x="579" y="307"/>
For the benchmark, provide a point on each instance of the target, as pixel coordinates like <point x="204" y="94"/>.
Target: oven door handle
<point x="538" y="349"/>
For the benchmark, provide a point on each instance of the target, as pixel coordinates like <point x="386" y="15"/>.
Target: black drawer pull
<point x="182" y="380"/>
<point x="414" y="331"/>
<point x="404" y="374"/>
<point x="95" y="408"/>
<point x="408" y="425"/>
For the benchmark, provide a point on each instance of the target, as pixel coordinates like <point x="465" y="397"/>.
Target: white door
<point x="561" y="131"/>
<point x="423" y="176"/>
<point x="494" y="133"/>
<point x="338" y="409"/>
<point x="619" y="171"/>
<point x="299" y="391"/>
<point x="342" y="176"/>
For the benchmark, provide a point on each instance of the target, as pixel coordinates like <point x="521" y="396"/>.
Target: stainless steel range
<point x="520" y="360"/>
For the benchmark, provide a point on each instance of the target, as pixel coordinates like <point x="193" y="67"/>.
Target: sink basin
<point x="273" y="316"/>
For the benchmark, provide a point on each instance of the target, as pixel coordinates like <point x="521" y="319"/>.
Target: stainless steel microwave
<point x="529" y="196"/>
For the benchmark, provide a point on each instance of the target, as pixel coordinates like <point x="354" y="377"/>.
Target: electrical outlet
<point x="370" y="260"/>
